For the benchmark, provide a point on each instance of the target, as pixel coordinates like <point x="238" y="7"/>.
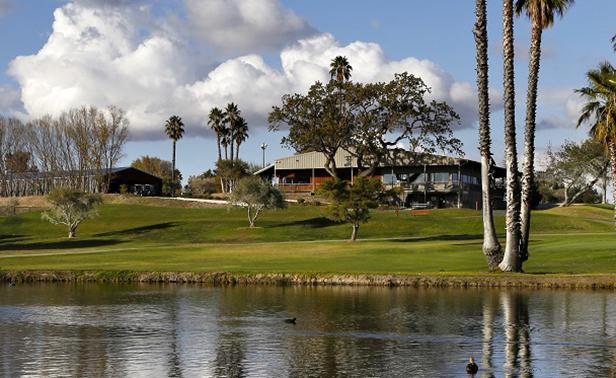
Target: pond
<point x="176" y="330"/>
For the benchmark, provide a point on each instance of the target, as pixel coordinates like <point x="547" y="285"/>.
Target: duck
<point x="471" y="367"/>
<point x="290" y="321"/>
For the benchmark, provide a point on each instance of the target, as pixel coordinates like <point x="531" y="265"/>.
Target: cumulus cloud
<point x="241" y="26"/>
<point x="101" y="56"/>
<point x="563" y="106"/>
<point x="10" y="103"/>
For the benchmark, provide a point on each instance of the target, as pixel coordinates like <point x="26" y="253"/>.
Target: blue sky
<point x="192" y="49"/>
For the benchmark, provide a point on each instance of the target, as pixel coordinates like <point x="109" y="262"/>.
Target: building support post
<point x="459" y="186"/>
<point x="313" y="182"/>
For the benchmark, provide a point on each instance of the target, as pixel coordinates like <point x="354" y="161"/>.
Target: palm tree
<point x="241" y="134"/>
<point x="232" y="115"/>
<point x="491" y="247"/>
<point x="541" y="14"/>
<point x="174" y="128"/>
<point x="216" y="121"/>
<point x="600" y="111"/>
<point x="511" y="260"/>
<point x="340" y="69"/>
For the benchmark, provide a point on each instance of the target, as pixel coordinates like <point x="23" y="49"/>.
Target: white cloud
<point x="562" y="107"/>
<point x="242" y="26"/>
<point x="10" y="103"/>
<point x="101" y="56"/>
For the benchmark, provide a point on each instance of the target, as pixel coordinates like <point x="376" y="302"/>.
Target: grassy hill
<point x="157" y="236"/>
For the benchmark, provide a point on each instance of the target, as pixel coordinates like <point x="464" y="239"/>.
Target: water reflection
<point x="186" y="331"/>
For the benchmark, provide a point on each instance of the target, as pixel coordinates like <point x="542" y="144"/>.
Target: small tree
<point x="230" y="172"/>
<point x="256" y="195"/>
<point x="71" y="207"/>
<point x="352" y="203"/>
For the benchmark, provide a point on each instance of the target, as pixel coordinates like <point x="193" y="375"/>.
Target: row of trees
<point x="599" y="111"/>
<point x="519" y="192"/>
<point x="78" y="143"/>
<point x="231" y="131"/>
<point x="230" y="128"/>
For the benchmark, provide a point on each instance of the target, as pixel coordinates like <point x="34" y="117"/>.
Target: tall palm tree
<point x="491" y="246"/>
<point x="511" y="260"/>
<point x="232" y="116"/>
<point x="600" y="111"/>
<point x="241" y="134"/>
<point x="216" y="121"/>
<point x="340" y="69"/>
<point x="541" y="14"/>
<point x="174" y="128"/>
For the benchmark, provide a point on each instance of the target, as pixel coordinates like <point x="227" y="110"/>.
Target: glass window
<point x="440" y="177"/>
<point x="471" y="180"/>
<point x="389" y="178"/>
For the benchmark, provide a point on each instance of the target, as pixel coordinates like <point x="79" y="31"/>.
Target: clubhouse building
<point x="422" y="180"/>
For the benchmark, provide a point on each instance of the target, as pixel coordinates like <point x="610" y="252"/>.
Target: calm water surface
<point x="173" y="330"/>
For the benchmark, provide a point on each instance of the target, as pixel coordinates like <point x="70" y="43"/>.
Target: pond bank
<point x="226" y="279"/>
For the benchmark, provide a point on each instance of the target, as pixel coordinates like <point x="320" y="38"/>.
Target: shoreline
<point x="531" y="281"/>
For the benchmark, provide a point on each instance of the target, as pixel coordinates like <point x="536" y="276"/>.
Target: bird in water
<point x="471" y="367"/>
<point x="290" y="321"/>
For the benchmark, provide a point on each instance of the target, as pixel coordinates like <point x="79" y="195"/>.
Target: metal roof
<point x="344" y="159"/>
<point x="86" y="172"/>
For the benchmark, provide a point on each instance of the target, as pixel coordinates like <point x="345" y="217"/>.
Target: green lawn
<point x="300" y="239"/>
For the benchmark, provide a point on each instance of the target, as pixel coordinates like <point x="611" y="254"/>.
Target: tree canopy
<point x="70" y="207"/>
<point x="369" y="121"/>
<point x="256" y="195"/>
<point x="578" y="167"/>
<point x="351" y="203"/>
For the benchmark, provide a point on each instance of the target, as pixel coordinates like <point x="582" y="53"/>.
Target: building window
<point x="471" y="180"/>
<point x="390" y="179"/>
<point x="440" y="177"/>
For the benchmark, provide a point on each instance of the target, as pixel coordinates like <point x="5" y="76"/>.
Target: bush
<point x="301" y="201"/>
<point x="123" y="189"/>
<point x="201" y="187"/>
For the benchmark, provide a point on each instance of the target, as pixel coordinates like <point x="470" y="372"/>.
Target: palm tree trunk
<point x="612" y="151"/>
<point x="173" y="171"/>
<point x="528" y="169"/>
<point x="511" y="260"/>
<point x="491" y="247"/>
<point x="231" y="138"/>
<point x="218" y="144"/>
<point x="237" y="152"/>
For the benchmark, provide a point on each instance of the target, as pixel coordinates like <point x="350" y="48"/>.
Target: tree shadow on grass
<point x="60" y="244"/>
<point x="11" y="238"/>
<point x="459" y="237"/>
<point x="316" y="222"/>
<point x="140" y="230"/>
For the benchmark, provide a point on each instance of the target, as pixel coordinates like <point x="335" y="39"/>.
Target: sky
<point x="163" y="57"/>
